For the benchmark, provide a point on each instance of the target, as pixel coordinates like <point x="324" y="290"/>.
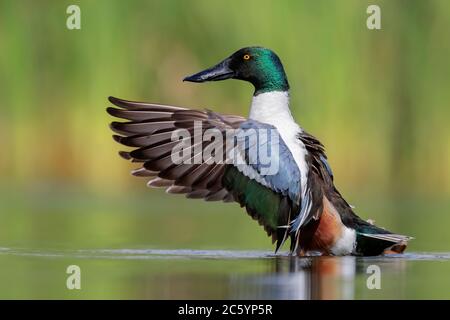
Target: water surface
<point x="219" y="274"/>
<point x="128" y="247"/>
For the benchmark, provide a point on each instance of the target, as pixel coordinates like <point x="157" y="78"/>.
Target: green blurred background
<point x="377" y="99"/>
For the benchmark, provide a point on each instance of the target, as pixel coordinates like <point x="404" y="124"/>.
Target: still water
<point x="219" y="274"/>
<point x="128" y="247"/>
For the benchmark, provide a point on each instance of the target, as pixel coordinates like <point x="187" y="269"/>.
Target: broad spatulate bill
<point x="297" y="201"/>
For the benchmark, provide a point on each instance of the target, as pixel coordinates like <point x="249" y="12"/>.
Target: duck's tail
<point x="373" y="240"/>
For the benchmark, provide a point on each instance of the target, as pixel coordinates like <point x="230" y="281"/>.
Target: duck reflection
<point x="301" y="278"/>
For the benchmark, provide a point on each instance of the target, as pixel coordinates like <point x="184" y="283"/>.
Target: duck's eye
<point x="247" y="57"/>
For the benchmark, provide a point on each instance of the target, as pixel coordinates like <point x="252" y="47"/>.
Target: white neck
<point x="267" y="107"/>
<point x="273" y="108"/>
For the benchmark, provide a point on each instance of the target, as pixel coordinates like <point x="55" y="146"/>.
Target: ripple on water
<point x="192" y="254"/>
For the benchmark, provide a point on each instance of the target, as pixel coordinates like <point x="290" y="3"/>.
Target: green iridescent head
<point x="257" y="65"/>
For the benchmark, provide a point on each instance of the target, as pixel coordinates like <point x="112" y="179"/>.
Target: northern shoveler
<point x="299" y="201"/>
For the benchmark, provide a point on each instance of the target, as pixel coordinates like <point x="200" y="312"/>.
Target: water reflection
<point x="309" y="278"/>
<point x="219" y="274"/>
<point x="301" y="278"/>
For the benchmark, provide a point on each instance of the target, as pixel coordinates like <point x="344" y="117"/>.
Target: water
<point x="218" y="274"/>
<point x="128" y="247"/>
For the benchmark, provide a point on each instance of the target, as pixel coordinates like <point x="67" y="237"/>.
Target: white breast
<point x="346" y="243"/>
<point x="273" y="108"/>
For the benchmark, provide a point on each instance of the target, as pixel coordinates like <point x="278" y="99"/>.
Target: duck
<point x="297" y="201"/>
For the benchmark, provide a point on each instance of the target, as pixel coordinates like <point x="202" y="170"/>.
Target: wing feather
<point x="273" y="200"/>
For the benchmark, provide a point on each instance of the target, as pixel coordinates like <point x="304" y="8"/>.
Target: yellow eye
<point x="247" y="57"/>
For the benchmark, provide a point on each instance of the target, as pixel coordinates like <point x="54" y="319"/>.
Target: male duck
<point x="299" y="201"/>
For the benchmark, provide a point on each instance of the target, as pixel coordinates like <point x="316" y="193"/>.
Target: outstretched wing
<point x="270" y="194"/>
<point x="150" y="132"/>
